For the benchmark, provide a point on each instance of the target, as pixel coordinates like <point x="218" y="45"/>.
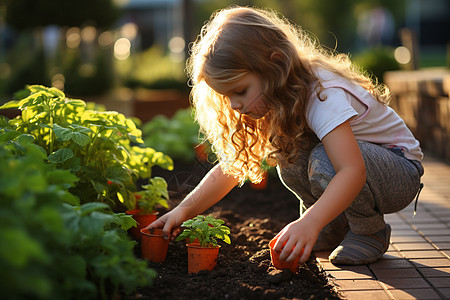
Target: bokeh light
<point x="105" y="39"/>
<point x="402" y="55"/>
<point x="176" y="47"/>
<point x="122" y="49"/>
<point x="88" y="34"/>
<point x="5" y="70"/>
<point x="86" y="70"/>
<point x="129" y="31"/>
<point x="58" y="81"/>
<point x="73" y="37"/>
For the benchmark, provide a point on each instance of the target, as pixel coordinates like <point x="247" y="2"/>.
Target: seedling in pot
<point x="205" y="229"/>
<point x="154" y="194"/>
<point x="203" y="232"/>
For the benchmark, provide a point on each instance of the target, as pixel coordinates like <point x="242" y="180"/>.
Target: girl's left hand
<point x="296" y="239"/>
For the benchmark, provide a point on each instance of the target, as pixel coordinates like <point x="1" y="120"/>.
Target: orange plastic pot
<point x="154" y="246"/>
<point x="201" y="152"/>
<point x="201" y="258"/>
<point x="281" y="264"/>
<point x="142" y="220"/>
<point x="262" y="185"/>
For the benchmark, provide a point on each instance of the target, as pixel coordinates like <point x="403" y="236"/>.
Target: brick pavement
<point x="417" y="263"/>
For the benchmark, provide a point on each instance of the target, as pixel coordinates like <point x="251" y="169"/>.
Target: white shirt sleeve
<point x="324" y="116"/>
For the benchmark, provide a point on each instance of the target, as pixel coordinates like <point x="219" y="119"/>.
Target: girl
<point x="263" y="90"/>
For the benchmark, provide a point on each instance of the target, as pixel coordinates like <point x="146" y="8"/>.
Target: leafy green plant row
<point x="99" y="147"/>
<point x="68" y="171"/>
<point x="52" y="247"/>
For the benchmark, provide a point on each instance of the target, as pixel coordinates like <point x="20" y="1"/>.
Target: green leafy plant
<point x="177" y="136"/>
<point x="206" y="229"/>
<point x="153" y="194"/>
<point x="52" y="247"/>
<point x="100" y="147"/>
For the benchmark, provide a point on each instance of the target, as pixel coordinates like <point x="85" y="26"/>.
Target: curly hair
<point x="241" y="40"/>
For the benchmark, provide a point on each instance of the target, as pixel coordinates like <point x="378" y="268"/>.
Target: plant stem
<point x="102" y="289"/>
<point x="52" y="133"/>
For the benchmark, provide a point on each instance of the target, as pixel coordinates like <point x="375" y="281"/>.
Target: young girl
<point x="263" y="90"/>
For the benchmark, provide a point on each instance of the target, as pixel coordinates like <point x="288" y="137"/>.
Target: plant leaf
<point x="118" y="174"/>
<point x="60" y="156"/>
<point x="64" y="134"/>
<point x="81" y="138"/>
<point x="10" y="104"/>
<point x="8" y="135"/>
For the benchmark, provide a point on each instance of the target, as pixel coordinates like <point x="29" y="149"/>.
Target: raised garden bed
<point x="243" y="269"/>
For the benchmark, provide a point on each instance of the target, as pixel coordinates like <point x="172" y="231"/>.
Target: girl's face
<point x="245" y="95"/>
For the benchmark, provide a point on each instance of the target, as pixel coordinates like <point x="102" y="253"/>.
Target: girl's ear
<point x="276" y="56"/>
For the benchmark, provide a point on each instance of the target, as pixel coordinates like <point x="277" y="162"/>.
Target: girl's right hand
<point x="170" y="222"/>
<point x="213" y="187"/>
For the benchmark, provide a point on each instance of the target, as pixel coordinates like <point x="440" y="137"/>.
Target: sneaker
<point x="332" y="235"/>
<point x="358" y="249"/>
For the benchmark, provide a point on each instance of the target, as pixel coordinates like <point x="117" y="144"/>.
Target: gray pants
<point x="392" y="183"/>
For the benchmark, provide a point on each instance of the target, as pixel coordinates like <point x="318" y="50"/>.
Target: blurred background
<point x="129" y="56"/>
<point x="110" y="48"/>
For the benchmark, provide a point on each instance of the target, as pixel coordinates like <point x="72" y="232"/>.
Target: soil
<point x="243" y="270"/>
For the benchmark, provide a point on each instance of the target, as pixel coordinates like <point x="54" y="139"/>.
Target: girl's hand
<point x="297" y="239"/>
<point x="170" y="222"/>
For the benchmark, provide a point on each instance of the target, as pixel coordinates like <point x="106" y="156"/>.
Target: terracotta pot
<point x="262" y="185"/>
<point x="154" y="246"/>
<point x="201" y="152"/>
<point x="281" y="264"/>
<point x="201" y="258"/>
<point x="142" y="220"/>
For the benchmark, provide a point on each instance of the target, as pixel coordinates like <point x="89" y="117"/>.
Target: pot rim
<point x="197" y="245"/>
<point x="137" y="211"/>
<point x="158" y="232"/>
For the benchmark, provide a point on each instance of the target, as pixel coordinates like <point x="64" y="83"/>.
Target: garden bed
<point x="243" y="269"/>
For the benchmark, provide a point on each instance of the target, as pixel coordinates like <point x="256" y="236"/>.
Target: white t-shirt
<point x="369" y="119"/>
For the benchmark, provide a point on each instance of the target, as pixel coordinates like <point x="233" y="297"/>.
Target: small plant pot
<point x="142" y="220"/>
<point x="201" y="152"/>
<point x="262" y="185"/>
<point x="154" y="246"/>
<point x="281" y="264"/>
<point x="201" y="258"/>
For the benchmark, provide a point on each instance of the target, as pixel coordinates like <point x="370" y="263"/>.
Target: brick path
<point x="417" y="264"/>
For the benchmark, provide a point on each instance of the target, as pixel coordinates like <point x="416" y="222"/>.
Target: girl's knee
<point x="319" y="165"/>
<point x="320" y="170"/>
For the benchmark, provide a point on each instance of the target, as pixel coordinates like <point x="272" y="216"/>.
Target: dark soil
<point x="243" y="270"/>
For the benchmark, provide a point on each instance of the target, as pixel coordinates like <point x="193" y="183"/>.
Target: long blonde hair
<point x="239" y="40"/>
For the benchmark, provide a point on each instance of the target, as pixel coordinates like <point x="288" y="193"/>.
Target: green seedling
<point x="206" y="229"/>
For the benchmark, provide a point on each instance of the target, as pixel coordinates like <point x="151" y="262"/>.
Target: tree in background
<point x="26" y="14"/>
<point x="332" y="22"/>
<point x="37" y="53"/>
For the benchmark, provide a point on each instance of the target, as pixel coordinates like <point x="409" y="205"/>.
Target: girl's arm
<point x="213" y="187"/>
<point x="345" y="155"/>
